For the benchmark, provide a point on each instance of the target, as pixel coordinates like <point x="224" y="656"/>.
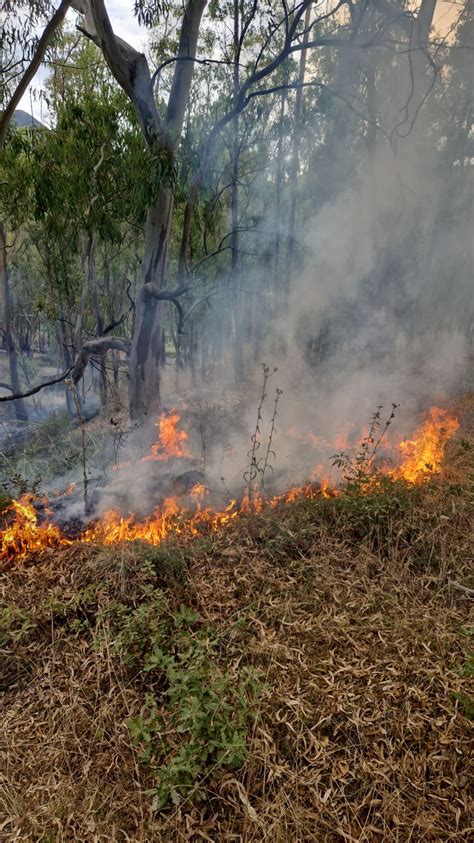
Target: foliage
<point x="196" y="698"/>
<point x="360" y="469"/>
<point x="15" y="624"/>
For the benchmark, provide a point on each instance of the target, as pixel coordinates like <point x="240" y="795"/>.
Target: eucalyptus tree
<point x="161" y="112"/>
<point x="91" y="195"/>
<point x="162" y="131"/>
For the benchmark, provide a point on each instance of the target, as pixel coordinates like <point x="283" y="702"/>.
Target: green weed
<point x="193" y="697"/>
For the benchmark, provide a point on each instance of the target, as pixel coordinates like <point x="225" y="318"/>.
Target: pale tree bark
<point x="12" y="351"/>
<point x="161" y="133"/>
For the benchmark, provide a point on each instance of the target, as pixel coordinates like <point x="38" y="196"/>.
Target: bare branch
<point x="175" y="59"/>
<point x="36" y="388"/>
<point x="116" y="322"/>
<point x="96" y="346"/>
<point x="30" y="71"/>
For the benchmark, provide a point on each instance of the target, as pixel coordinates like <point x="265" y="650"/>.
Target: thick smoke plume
<point x="379" y="308"/>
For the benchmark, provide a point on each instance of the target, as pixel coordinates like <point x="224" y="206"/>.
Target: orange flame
<point x="171" y="441"/>
<point x="422" y="457"/>
<point x="25" y="534"/>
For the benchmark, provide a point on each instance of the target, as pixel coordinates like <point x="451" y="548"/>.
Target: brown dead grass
<point x="358" y="638"/>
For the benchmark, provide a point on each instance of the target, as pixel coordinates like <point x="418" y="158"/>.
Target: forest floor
<point x="303" y="675"/>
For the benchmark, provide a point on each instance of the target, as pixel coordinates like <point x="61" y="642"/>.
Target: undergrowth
<point x="467" y="670"/>
<point x="196" y="716"/>
<point x="292" y="677"/>
<point x="52" y="452"/>
<point x="188" y="694"/>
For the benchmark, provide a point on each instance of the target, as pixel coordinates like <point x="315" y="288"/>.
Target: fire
<point x="422" y="456"/>
<point x="171" y="441"/>
<point x="25" y="534"/>
<point x="198" y="493"/>
<point x="64" y="492"/>
<point x="169" y="518"/>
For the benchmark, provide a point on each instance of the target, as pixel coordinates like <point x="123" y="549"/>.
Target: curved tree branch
<point x="36" y="388"/>
<point x="30" y="71"/>
<point x="128" y="66"/>
<point x="96" y="346"/>
<point x="165" y="295"/>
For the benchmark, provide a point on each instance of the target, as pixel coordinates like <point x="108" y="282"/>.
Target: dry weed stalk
<point x="259" y="467"/>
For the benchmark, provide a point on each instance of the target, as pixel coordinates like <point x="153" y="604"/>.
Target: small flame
<point x="64" y="492"/>
<point x="198" y="493"/>
<point x="171" y="441"/>
<point x="326" y="490"/>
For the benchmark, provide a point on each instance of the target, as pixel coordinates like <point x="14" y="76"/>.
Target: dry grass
<point x="351" y="618"/>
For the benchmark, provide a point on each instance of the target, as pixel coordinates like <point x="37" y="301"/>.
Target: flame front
<point x="169" y="518"/>
<point x="421" y="457"/>
<point x="26" y="534"/>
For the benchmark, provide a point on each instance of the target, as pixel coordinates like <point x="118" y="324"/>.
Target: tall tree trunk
<point x="237" y="340"/>
<point x="145" y="357"/>
<point x="99" y="329"/>
<point x="279" y="187"/>
<point x="295" y="159"/>
<point x="61" y="331"/>
<point x="12" y="352"/>
<point x="88" y="271"/>
<point x="161" y="132"/>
